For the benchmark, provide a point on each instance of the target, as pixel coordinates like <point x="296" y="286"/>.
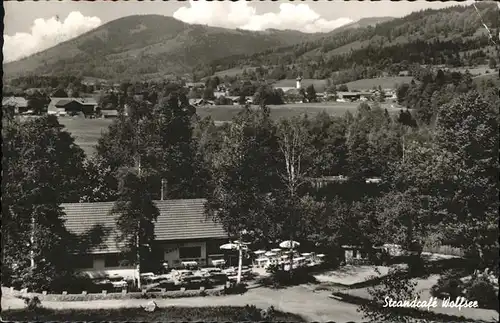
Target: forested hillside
<point x="454" y="36"/>
<point x="148" y="45"/>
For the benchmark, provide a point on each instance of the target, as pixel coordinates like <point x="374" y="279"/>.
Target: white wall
<point x="127" y="273"/>
<point x="171" y="253"/>
<point x="99" y="269"/>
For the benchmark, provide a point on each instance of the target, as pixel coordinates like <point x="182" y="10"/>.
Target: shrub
<point x="32" y="303"/>
<point x="448" y="285"/>
<point x="75" y="284"/>
<point x="168" y="314"/>
<point x="119" y="296"/>
<point x="268" y="314"/>
<point x="481" y="289"/>
<point x="235" y="289"/>
<point x="249" y="313"/>
<point x="280" y="277"/>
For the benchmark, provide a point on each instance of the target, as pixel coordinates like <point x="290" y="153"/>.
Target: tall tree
<point x="293" y="138"/>
<point x="245" y="177"/>
<point x="467" y="137"/>
<point x="42" y="167"/>
<point x="136" y="216"/>
<point x="168" y="149"/>
<point x="311" y="93"/>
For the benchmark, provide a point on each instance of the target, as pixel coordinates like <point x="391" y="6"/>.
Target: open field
<point x="492" y="76"/>
<point x="234" y="71"/>
<point x="475" y="71"/>
<point x="384" y="82"/>
<point x="87" y="131"/>
<point x="227" y="112"/>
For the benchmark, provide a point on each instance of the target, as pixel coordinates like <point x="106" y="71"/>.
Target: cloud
<point x="240" y="15"/>
<point x="46" y="33"/>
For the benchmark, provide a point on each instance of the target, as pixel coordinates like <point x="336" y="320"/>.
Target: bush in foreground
<point x="482" y="290"/>
<point x="448" y="285"/>
<point x="282" y="278"/>
<point x="207" y="314"/>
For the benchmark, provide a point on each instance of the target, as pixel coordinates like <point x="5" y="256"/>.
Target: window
<point x="213" y="247"/>
<point x="83" y="261"/>
<point x="115" y="260"/>
<point x="190" y="252"/>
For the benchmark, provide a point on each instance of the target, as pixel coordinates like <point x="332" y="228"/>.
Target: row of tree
<point x="256" y="173"/>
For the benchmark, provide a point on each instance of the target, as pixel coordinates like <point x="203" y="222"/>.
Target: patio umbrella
<point x="240" y="246"/>
<point x="289" y="244"/>
<point x="242" y="242"/>
<point x="229" y="246"/>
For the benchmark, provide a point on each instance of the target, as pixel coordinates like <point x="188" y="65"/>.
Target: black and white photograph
<point x="250" y="161"/>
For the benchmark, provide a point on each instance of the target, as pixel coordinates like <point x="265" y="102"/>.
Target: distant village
<point x="91" y="105"/>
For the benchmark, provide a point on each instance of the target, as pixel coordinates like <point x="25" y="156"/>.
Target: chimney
<point x="163" y="188"/>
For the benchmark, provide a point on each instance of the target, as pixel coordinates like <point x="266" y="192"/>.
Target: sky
<point x="30" y="27"/>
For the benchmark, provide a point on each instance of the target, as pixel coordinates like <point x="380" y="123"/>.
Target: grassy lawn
<point x="227" y="112"/>
<point x="383" y="82"/>
<point x="88" y="131"/>
<point x="210" y="314"/>
<point x="234" y="71"/>
<point x="492" y="76"/>
<point x="476" y="71"/>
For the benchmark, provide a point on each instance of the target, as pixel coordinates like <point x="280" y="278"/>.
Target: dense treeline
<point x="374" y="57"/>
<point x="256" y="174"/>
<point x="448" y="36"/>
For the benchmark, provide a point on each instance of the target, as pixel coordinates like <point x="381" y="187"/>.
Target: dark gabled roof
<point x="63" y="102"/>
<point x="178" y="220"/>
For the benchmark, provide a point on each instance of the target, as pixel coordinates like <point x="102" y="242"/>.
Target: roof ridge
<point x="156" y="201"/>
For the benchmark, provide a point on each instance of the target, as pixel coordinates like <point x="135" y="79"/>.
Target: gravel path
<point x="301" y="300"/>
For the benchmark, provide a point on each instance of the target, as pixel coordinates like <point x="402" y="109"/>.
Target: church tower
<point x="299" y="80"/>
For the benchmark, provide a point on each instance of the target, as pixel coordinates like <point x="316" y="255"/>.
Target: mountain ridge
<point x="453" y="35"/>
<point x="109" y="50"/>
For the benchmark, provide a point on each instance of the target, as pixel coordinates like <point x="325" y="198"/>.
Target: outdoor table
<point x="218" y="262"/>
<point x="262" y="261"/>
<point x="189" y="263"/>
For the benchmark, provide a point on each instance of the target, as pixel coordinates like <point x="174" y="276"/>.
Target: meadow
<point x="389" y="82"/>
<point x="87" y="131"/>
